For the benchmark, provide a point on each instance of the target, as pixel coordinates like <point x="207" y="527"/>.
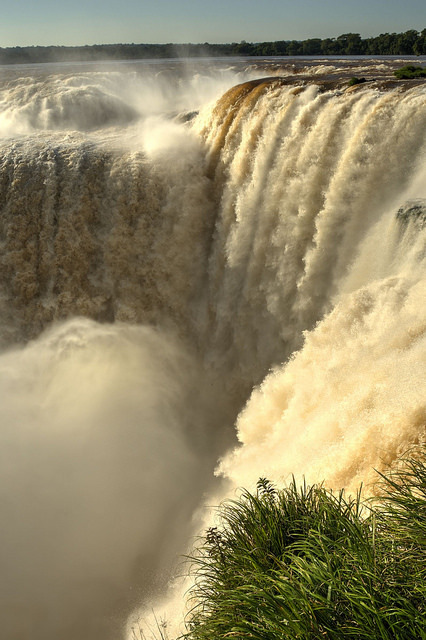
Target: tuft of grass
<point x="409" y="72"/>
<point x="304" y="563"/>
<point x="354" y="80"/>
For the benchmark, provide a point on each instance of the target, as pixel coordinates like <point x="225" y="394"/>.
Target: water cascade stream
<point x="174" y="263"/>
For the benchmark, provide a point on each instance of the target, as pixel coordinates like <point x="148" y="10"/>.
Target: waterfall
<point x="186" y="280"/>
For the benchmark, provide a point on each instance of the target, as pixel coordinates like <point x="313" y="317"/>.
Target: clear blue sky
<point x="77" y="22"/>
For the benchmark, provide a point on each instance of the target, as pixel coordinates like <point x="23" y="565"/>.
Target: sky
<point x="79" y="22"/>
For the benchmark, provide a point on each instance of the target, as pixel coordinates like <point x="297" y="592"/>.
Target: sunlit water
<point x="194" y="277"/>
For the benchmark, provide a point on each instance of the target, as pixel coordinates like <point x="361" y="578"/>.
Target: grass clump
<point x="304" y="563"/>
<point x="409" y="72"/>
<point x="353" y="81"/>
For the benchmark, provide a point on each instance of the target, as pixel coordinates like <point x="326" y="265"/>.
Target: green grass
<point x="409" y="72"/>
<point x="303" y="563"/>
<point x="356" y="80"/>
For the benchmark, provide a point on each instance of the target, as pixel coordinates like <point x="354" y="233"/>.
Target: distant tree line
<point x="348" y="44"/>
<point x="410" y="42"/>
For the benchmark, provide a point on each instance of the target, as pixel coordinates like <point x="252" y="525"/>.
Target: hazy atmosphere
<point x="48" y="22"/>
<point x="212" y="280"/>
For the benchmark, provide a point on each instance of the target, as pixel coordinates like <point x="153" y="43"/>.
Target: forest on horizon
<point x="410" y="42"/>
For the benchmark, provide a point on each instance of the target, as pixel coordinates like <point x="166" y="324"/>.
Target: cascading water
<point x="159" y="270"/>
<point x="313" y="230"/>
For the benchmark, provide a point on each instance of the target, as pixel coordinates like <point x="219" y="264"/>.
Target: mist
<point x="187" y="260"/>
<point x="105" y="448"/>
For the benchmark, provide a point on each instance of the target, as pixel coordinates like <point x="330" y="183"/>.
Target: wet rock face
<point x="413" y="210"/>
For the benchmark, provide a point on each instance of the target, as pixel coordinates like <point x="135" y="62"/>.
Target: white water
<point x="153" y="274"/>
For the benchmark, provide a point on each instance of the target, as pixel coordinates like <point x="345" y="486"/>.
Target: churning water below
<point x="180" y="255"/>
